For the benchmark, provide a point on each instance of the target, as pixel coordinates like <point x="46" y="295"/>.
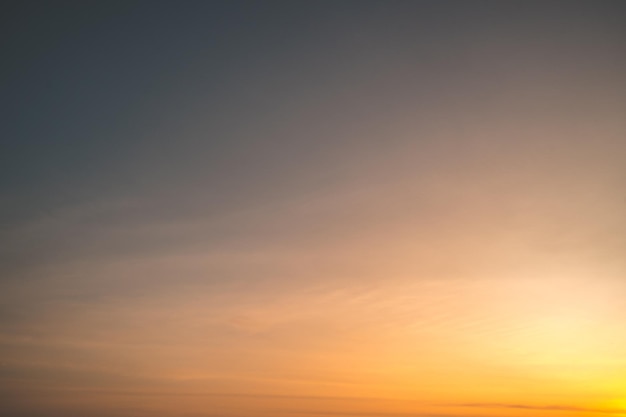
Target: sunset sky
<point x="313" y="208"/>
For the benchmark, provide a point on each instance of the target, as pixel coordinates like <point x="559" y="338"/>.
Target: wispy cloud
<point x="542" y="407"/>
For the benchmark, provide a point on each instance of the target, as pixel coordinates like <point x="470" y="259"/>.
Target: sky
<point x="313" y="209"/>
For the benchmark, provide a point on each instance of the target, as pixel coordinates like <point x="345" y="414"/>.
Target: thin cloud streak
<point x="545" y="408"/>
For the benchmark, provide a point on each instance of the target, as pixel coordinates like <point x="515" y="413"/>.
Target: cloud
<point x="541" y="407"/>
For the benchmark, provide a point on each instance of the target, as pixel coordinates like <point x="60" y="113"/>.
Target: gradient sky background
<point x="313" y="209"/>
